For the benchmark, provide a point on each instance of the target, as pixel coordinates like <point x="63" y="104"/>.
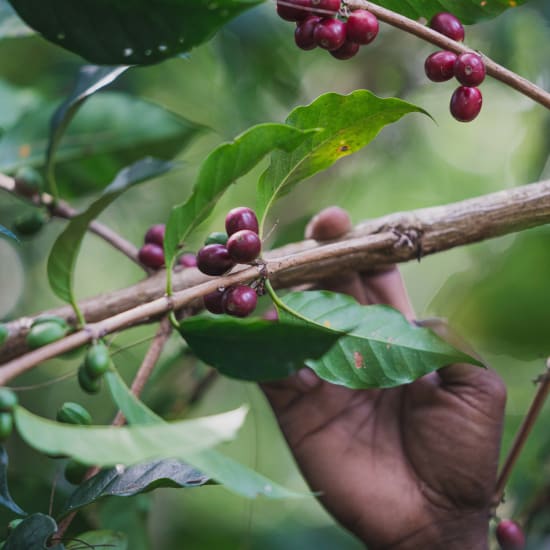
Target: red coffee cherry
<point x="510" y="535"/>
<point x="188" y="260"/>
<point x="239" y="301"/>
<point x="241" y="218"/>
<point x="362" y="27"/>
<point x="330" y="34"/>
<point x="214" y="259"/>
<point x="151" y="255"/>
<point x="325" y="8"/>
<point x="244" y="246"/>
<point x="213" y="302"/>
<point x="155" y="234"/>
<point x="293" y="10"/>
<point x="469" y="69"/>
<point x="303" y="35"/>
<point x="439" y="66"/>
<point x="346" y="51"/>
<point x="449" y="25"/>
<point x="466" y="103"/>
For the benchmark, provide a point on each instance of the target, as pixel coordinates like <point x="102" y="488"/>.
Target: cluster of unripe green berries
<point x="319" y="24"/>
<point x="96" y="363"/>
<point x="468" y="68"/>
<point x="45" y="330"/>
<point x="509" y="535"/>
<point x="221" y="251"/>
<point x="151" y="254"/>
<point x="8" y="402"/>
<point x="29" y="183"/>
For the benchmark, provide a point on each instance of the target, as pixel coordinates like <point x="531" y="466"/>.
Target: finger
<point x="387" y="287"/>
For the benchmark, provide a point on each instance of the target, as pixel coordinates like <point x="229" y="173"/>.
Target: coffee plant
<point x="216" y="276"/>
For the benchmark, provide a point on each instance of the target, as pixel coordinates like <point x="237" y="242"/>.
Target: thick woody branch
<point x="395" y="238"/>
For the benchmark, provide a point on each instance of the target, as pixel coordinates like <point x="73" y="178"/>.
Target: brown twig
<point x="523" y="433"/>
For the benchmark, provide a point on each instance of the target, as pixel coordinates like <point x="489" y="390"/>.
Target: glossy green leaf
<point x="348" y="122"/>
<point x="128" y="516"/>
<point x="468" y="11"/>
<point x="254" y="349"/>
<point x="128" y="33"/>
<point x="99" y="539"/>
<point x="11" y="25"/>
<point x="125" y="482"/>
<point x="33" y="532"/>
<point x="90" y="80"/>
<point x="4" y="232"/>
<point x="381" y="351"/>
<point x="224" y="166"/>
<point x="110" y="132"/>
<point x="233" y="475"/>
<point x="5" y="497"/>
<point x="108" y="446"/>
<point x="62" y="259"/>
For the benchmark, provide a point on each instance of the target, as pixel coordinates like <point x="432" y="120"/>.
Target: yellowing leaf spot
<point x="358" y="360"/>
<point x="327" y="323"/>
<point x="25" y="151"/>
<point x="512" y="3"/>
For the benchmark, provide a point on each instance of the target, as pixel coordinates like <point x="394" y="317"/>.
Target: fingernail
<point x="308" y="378"/>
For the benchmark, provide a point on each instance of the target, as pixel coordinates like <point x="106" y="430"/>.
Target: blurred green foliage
<point x="496" y="292"/>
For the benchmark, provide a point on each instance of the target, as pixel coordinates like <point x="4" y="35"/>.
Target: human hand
<point x="412" y="467"/>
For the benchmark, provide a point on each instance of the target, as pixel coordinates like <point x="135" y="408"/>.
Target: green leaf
<point x="224" y="166"/>
<point x="109" y="133"/>
<point x="109" y="446"/>
<point x="91" y="79"/>
<point x="5" y="497"/>
<point x="99" y="539"/>
<point x="11" y="25"/>
<point x="234" y="476"/>
<point x="129" y="33"/>
<point x="62" y="259"/>
<point x="468" y="11"/>
<point x="383" y="349"/>
<point x="134" y="480"/>
<point x="33" y="532"/>
<point x="128" y="516"/>
<point x="348" y="122"/>
<point x="4" y="232"/>
<point x="259" y="350"/>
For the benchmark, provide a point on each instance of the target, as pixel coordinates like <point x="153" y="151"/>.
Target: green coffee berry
<point x="88" y="384"/>
<point x="6" y="425"/>
<point x="97" y="361"/>
<point x="30" y="223"/>
<point x="8" y="400"/>
<point x="217" y="237"/>
<point x="28" y="181"/>
<point x="73" y="413"/>
<point x="50" y="319"/>
<point x="75" y="472"/>
<point x="4" y="333"/>
<point x="45" y="333"/>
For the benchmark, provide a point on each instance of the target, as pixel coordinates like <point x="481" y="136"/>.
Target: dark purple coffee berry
<point x="439" y="66"/>
<point x="214" y="259"/>
<point x="330" y="34"/>
<point x="188" y="260"/>
<point x="293" y="10"/>
<point x="362" y="27"/>
<point x="510" y="535"/>
<point x="303" y="35"/>
<point x="155" y="234"/>
<point x="449" y="25"/>
<point x="466" y="103"/>
<point x="469" y="69"/>
<point x="239" y="301"/>
<point x="151" y="255"/>
<point x="244" y="246"/>
<point x="346" y="51"/>
<point x="213" y="302"/>
<point x="325" y="8"/>
<point x="241" y="218"/>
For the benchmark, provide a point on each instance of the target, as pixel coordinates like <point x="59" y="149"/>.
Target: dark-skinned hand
<point x="412" y="467"/>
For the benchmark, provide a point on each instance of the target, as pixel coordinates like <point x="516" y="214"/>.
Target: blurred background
<point x="496" y="293"/>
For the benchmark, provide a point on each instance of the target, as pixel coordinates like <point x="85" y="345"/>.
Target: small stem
<point x="523" y="433"/>
<point x="497" y="71"/>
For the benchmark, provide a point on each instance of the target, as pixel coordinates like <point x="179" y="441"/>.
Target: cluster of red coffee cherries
<point x="240" y="244"/>
<point x="319" y="24"/>
<point x="510" y="535"/>
<point x="468" y="68"/>
<point x="151" y="254"/>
